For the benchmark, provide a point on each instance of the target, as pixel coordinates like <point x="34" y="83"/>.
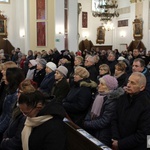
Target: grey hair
<point x="142" y="80"/>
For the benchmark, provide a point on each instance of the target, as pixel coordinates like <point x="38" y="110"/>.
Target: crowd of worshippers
<point x="106" y="93"/>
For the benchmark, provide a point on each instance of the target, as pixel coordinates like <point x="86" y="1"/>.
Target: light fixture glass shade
<point x="108" y="26"/>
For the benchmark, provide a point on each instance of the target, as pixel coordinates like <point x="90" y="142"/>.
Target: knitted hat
<point x="33" y="62"/>
<point x="51" y="65"/>
<point x="110" y="81"/>
<point x="62" y="70"/>
<point x="42" y="62"/>
<point x="82" y="72"/>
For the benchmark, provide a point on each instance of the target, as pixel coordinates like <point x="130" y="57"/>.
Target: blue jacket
<point x="47" y="83"/>
<point x="8" y="106"/>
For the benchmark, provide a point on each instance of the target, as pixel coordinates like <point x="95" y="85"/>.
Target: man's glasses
<point x="27" y="113"/>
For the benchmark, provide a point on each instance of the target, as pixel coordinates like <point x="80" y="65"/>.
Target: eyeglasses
<point x="27" y="113"/>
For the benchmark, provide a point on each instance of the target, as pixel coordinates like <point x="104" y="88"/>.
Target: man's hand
<point x="114" y="144"/>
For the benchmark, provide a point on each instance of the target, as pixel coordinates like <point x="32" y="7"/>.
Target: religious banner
<point x="41" y="34"/>
<point x="40" y="9"/>
<point x="84" y="19"/>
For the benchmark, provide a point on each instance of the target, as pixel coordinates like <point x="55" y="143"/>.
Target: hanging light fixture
<point x="105" y="9"/>
<point x="108" y="26"/>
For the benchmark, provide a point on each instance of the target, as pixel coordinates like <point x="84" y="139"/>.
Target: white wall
<point x="114" y="37"/>
<point x="14" y="11"/>
<point x="72" y="24"/>
<point x="59" y="24"/>
<point x="93" y="24"/>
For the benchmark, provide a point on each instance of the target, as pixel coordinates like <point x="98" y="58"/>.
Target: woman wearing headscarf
<point x="98" y="120"/>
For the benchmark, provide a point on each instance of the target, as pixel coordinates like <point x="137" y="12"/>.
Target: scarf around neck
<point x="29" y="124"/>
<point x="97" y="104"/>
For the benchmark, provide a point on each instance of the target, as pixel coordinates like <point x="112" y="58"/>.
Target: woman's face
<point x="28" y="111"/>
<point x="77" y="78"/>
<point x="77" y="62"/>
<point x="39" y="66"/>
<point x="117" y="71"/>
<point x="48" y="70"/>
<point x="58" y="75"/>
<point x="102" y="87"/>
<point x="102" y="71"/>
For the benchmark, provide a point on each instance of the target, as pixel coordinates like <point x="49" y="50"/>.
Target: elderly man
<point x="131" y="122"/>
<point x="90" y="66"/>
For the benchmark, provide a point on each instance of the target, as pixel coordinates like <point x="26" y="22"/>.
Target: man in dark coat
<point x="111" y="62"/>
<point x="139" y="66"/>
<point x="44" y="127"/>
<point x="136" y="54"/>
<point x="131" y="123"/>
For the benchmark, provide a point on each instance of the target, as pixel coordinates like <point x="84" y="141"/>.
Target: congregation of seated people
<point x="107" y="93"/>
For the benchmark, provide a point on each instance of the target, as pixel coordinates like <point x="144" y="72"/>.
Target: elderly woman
<point x="98" y="120"/>
<point x="49" y="79"/>
<point x="39" y="73"/>
<point x="44" y="127"/>
<point x="61" y="86"/>
<point x="79" y="98"/>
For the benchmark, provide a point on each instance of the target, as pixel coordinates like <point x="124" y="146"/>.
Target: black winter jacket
<point x="131" y="123"/>
<point x="50" y="135"/>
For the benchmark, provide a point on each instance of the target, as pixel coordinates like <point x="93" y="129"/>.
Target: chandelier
<point x="108" y="26"/>
<point x="105" y="9"/>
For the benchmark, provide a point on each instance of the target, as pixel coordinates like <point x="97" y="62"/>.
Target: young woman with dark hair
<point x="12" y="78"/>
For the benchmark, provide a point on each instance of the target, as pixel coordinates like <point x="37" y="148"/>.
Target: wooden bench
<point x="79" y="139"/>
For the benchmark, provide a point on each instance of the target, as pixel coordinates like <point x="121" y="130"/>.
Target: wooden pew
<point x="79" y="139"/>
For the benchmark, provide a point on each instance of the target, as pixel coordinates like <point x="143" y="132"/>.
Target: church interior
<point x="71" y="23"/>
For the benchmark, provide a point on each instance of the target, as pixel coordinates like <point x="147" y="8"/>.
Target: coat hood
<point x="53" y="108"/>
<point x="116" y="93"/>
